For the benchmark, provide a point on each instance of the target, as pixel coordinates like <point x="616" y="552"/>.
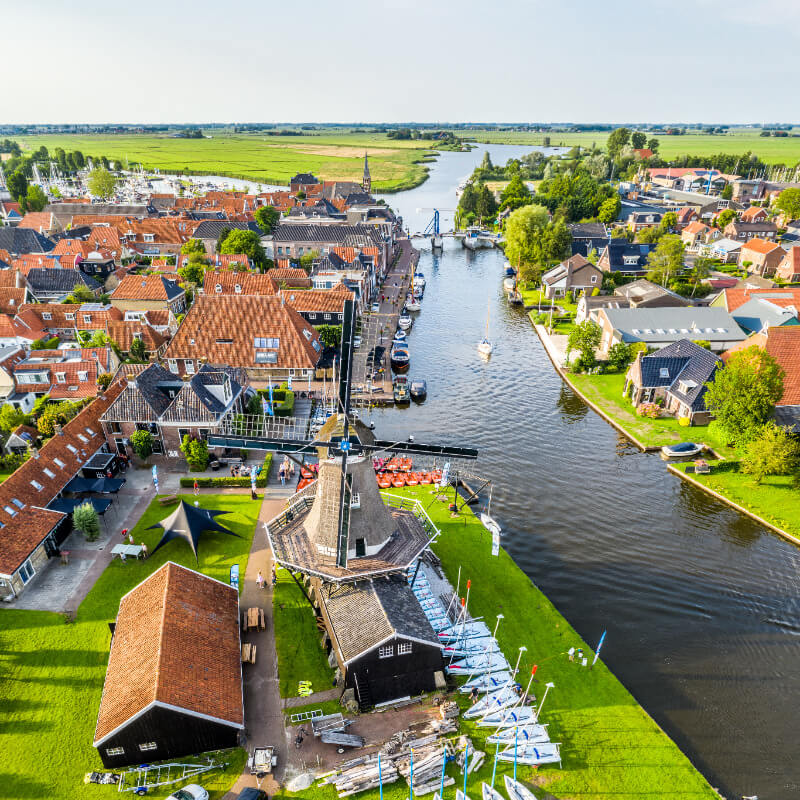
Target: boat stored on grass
<point x="516" y="791"/>
<point x="682" y="450"/>
<point x="522" y="733"/>
<point x="533" y="754"/>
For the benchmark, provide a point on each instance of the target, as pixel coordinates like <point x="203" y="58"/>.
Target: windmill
<point x="320" y="535"/>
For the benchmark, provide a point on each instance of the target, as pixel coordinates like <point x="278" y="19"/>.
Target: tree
<point x="193" y="247"/>
<point x="10" y="418"/>
<point x="104" y="380"/>
<point x="700" y="271"/>
<point x="725" y="217"/>
<point x="35" y="199"/>
<point x="617" y="139"/>
<point x="17" y="185"/>
<point x="597" y="166"/>
<point x="85" y="519"/>
<point x="54" y="414"/>
<point x="196" y="452"/>
<point x="666" y="260"/>
<point x="267" y="218"/>
<point x="668" y="222"/>
<point x="515" y="194"/>
<point x="523" y="228"/>
<point x="653" y="144"/>
<point x="774" y="451"/>
<point x="81" y="293"/>
<point x="486" y="204"/>
<point x="486" y="162"/>
<point x="101" y="183"/>
<point x="584" y="338"/>
<point x="142" y="444"/>
<point x="619" y="356"/>
<point x="609" y="209"/>
<point x="45" y="344"/>
<point x="727" y="192"/>
<point x="744" y="392"/>
<point x="789" y="202"/>
<point x="194" y="270"/>
<point x="330" y="335"/>
<point x="638" y="140"/>
<point x="138" y="350"/>
<point x="247" y="242"/>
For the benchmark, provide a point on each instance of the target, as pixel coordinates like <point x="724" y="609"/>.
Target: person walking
<point x="260" y="580"/>
<point x="196" y="487"/>
<point x="145" y="551"/>
<point x="282" y="474"/>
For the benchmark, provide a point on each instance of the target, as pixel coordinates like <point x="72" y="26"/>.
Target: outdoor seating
<point x="168" y="500"/>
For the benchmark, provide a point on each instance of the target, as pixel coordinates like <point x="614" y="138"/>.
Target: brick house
<point x="169" y="407"/>
<point x="693" y="234"/>
<point x="147" y="292"/>
<point x="789" y="267"/>
<point x="575" y="274"/>
<point x="764" y="256"/>
<point x="743" y="231"/>
<point x="754" y="214"/>
<point x="319" y="306"/>
<point x="227" y="282"/>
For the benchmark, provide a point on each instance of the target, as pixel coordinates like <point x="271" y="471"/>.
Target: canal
<point x="701" y="604"/>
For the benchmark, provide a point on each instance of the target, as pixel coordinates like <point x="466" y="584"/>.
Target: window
<point x="17" y="503"/>
<point x="83" y="377"/>
<point x="69" y="316"/>
<point x="72" y="448"/>
<point x="238" y="288"/>
<point x="594" y="278"/>
<point x="59" y="463"/>
<point x="315" y="345"/>
<point x="47" y="315"/>
<point x="327" y="316"/>
<point x="189" y="366"/>
<point x="12" y="512"/>
<point x="26" y="571"/>
<point x="61" y="377"/>
<point x="403" y="648"/>
<point x="87" y="318"/>
<point x="267" y="342"/>
<point x="307" y="334"/>
<point x="149" y="237"/>
<point x="182" y="432"/>
<point x="218" y="288"/>
<point x="387" y="651"/>
<point x="115" y="427"/>
<point x="83" y="438"/>
<point x="36" y="485"/>
<point x="224" y="341"/>
<point x="266" y="357"/>
<point x="115" y="751"/>
<point x="49" y="472"/>
<point x="145" y="746"/>
<point x="355" y="501"/>
<point x="663" y="373"/>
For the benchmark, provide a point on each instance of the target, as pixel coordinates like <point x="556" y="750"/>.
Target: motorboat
<point x="490" y="793"/>
<point x="477" y="239"/>
<point x="508" y="283"/>
<point x="400" y="337"/>
<point x="532" y="754"/>
<point x="516" y="791"/>
<point x="509" y="717"/>
<point x="682" y="450"/>
<point x="488" y="682"/>
<point x="405" y="322"/>
<point x="524" y="734"/>
<point x="419" y="279"/>
<point x="418" y="389"/>
<point x="400" y="360"/>
<point x="510" y="272"/>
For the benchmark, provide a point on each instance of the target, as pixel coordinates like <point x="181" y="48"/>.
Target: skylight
<point x="72" y="448"/>
<point x="49" y="473"/>
<point x="663" y="373"/>
<point x="36" y="485"/>
<point x="266" y="357"/>
<point x="266" y="342"/>
<point x="17" y="503"/>
<point x="59" y="463"/>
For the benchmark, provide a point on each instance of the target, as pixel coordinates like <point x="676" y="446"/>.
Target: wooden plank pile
<point x="449" y="710"/>
<point x="465" y="749"/>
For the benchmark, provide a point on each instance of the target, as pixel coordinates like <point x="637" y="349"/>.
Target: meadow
<point x="52" y="668"/>
<point x="394" y="164"/>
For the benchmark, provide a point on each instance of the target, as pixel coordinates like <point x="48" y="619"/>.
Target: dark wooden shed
<point x="174" y="681"/>
<point x="384" y="645"/>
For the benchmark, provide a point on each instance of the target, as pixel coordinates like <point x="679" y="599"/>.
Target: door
<point x="120" y="443"/>
<point x="361" y="548"/>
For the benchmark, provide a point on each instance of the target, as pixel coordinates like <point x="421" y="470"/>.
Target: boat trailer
<point x="141" y="779"/>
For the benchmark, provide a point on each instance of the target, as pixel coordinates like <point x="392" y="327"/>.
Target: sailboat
<point x="485" y="346"/>
<point x="412" y="301"/>
<point x="491" y="525"/>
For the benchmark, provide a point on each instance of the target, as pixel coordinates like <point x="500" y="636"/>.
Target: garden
<point x="52" y="668"/>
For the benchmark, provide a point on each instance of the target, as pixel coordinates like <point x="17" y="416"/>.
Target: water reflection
<point x="573" y="409"/>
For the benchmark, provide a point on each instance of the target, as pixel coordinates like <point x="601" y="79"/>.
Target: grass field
<point x="297" y="640"/>
<point x="394" y="165"/>
<point x="612" y="750"/>
<point x="52" y="670"/>
<point x="770" y="149"/>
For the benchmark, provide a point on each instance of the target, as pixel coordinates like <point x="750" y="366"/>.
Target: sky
<point x="161" y="61"/>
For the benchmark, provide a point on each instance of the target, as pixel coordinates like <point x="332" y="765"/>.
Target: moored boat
<point x="400" y="390"/>
<point x="516" y="791"/>
<point x="419" y="279"/>
<point x="418" y="389"/>
<point x="400" y="360"/>
<point x="405" y="322"/>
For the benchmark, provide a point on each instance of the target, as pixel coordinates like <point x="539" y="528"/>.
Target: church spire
<point x="366" y="183"/>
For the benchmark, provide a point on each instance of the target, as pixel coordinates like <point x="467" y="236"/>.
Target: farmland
<point x="394" y="164"/>
<point x="738" y="140"/>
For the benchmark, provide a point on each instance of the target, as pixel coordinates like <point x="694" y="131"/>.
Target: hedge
<point x="204" y="482"/>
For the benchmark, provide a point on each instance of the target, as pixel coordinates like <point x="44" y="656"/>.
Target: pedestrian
<point x="145" y="551"/>
<point x="232" y="470"/>
<point x="130" y="538"/>
<point x="260" y="580"/>
<point x="124" y="532"/>
<point x="196" y="487"/>
<point x="274" y="575"/>
<point x="282" y="475"/>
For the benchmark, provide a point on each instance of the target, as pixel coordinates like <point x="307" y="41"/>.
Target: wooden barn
<point x="384" y="645"/>
<point x="174" y="680"/>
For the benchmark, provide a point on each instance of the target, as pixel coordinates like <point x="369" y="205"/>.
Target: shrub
<point x="619" y="356"/>
<point x="195" y="452"/>
<point x="649" y="410"/>
<point x="207" y="482"/>
<point x="142" y="444"/>
<point x="12" y="461"/>
<point x="85" y="519"/>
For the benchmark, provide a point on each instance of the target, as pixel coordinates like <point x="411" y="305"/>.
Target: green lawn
<point x="605" y="391"/>
<point x="297" y="640"/>
<point x="52" y="669"/>
<point x="775" y="499"/>
<point x="4" y="474"/>
<point x="394" y="165"/>
<point x="531" y="297"/>
<point x="771" y="150"/>
<point x="612" y="750"/>
<point x="326" y="707"/>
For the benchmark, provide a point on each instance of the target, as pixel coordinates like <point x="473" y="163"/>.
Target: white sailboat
<point x="516" y="791"/>
<point x="485" y="345"/>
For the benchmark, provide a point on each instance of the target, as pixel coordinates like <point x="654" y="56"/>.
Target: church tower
<point x="366" y="183"/>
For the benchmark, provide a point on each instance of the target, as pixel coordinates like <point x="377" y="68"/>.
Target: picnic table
<point x="254" y="619"/>
<point x="125" y="550"/>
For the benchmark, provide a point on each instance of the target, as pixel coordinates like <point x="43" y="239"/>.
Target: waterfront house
<point x="575" y="274"/>
<point x="658" y="327"/>
<point x="263" y="335"/>
<point x="319" y="306"/>
<point x="743" y="231"/>
<point x="173" y="685"/>
<point x="675" y="376"/>
<point x="588" y="306"/>
<point x="30" y="532"/>
<point x="161" y="402"/>
<point x="147" y="292"/>
<point x="588" y="236"/>
<point x="761" y="256"/>
<point x="622" y="256"/>
<point x="789" y="267"/>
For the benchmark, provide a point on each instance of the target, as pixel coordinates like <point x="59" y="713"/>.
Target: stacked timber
<point x="449" y="710"/>
<point x="466" y="750"/>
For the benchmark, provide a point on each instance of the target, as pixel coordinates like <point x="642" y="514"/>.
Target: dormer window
<point x="61" y="377"/>
<point x="47" y="315"/>
<point x="218" y="288"/>
<point x="83" y="377"/>
<point x="68" y="315"/>
<point x="237" y="288"/>
<point x="87" y="318"/>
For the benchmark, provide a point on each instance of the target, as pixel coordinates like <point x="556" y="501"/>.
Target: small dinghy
<point x="460" y="795"/>
<point x="509" y="717"/>
<point x="480" y="662"/>
<point x="486" y="683"/>
<point x="516" y="791"/>
<point x="471" y="630"/>
<point x="524" y="734"/>
<point x="533" y="754"/>
<point x="496" y="701"/>
<point x="405" y="322"/>
<point x="488" y="793"/>
<point x="419" y="390"/>
<point x="469" y="647"/>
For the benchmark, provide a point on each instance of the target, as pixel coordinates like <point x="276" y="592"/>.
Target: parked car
<point x="252" y="794"/>
<point x="356" y="341"/>
<point x="190" y="792"/>
<point x="375" y="308"/>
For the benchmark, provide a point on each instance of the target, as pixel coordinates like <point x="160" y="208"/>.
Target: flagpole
<point x="444" y="762"/>
<point x="466" y="767"/>
<point x="599" y="645"/>
<point x="411" y="775"/>
<point x="380" y="777"/>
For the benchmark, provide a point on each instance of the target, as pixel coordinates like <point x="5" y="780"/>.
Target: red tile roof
<point x="736" y="297"/>
<point x="124" y="332"/>
<point x="753" y="214"/>
<point x="42" y="221"/>
<point x="141" y="287"/>
<point x="24" y="530"/>
<point x="696" y="227"/>
<point x="223" y="329"/>
<point x="11" y="300"/>
<point x="176" y="642"/>
<point x="318" y="300"/>
<point x="761" y="246"/>
<point x="248" y="283"/>
<point x="290" y="276"/>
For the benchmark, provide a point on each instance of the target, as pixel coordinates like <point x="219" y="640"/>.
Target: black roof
<point x="347" y="235"/>
<point x="304" y="177"/>
<point x="24" y="240"/>
<point x="196" y="402"/>
<point x="617" y="249"/>
<point x="212" y="228"/>
<point x="53" y="279"/>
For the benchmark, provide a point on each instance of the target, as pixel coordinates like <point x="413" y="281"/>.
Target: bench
<point x="168" y="500"/>
<point x="248" y="653"/>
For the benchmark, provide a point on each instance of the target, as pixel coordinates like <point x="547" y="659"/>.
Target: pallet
<point x="248" y="653"/>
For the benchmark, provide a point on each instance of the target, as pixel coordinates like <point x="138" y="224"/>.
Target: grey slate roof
<point x="346" y="235"/>
<point x="148" y="399"/>
<point x="101" y="209"/>
<point x="758" y="313"/>
<point x="617" y="249"/>
<point x="588" y="230"/>
<point x="657" y="325"/>
<point x="52" y="279"/>
<point x="304" y="177"/>
<point x="195" y="401"/>
<point x="212" y="228"/>
<point x="24" y="240"/>
<point x="370" y="612"/>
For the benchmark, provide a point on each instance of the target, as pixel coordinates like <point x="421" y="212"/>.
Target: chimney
<point x="58" y="429"/>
